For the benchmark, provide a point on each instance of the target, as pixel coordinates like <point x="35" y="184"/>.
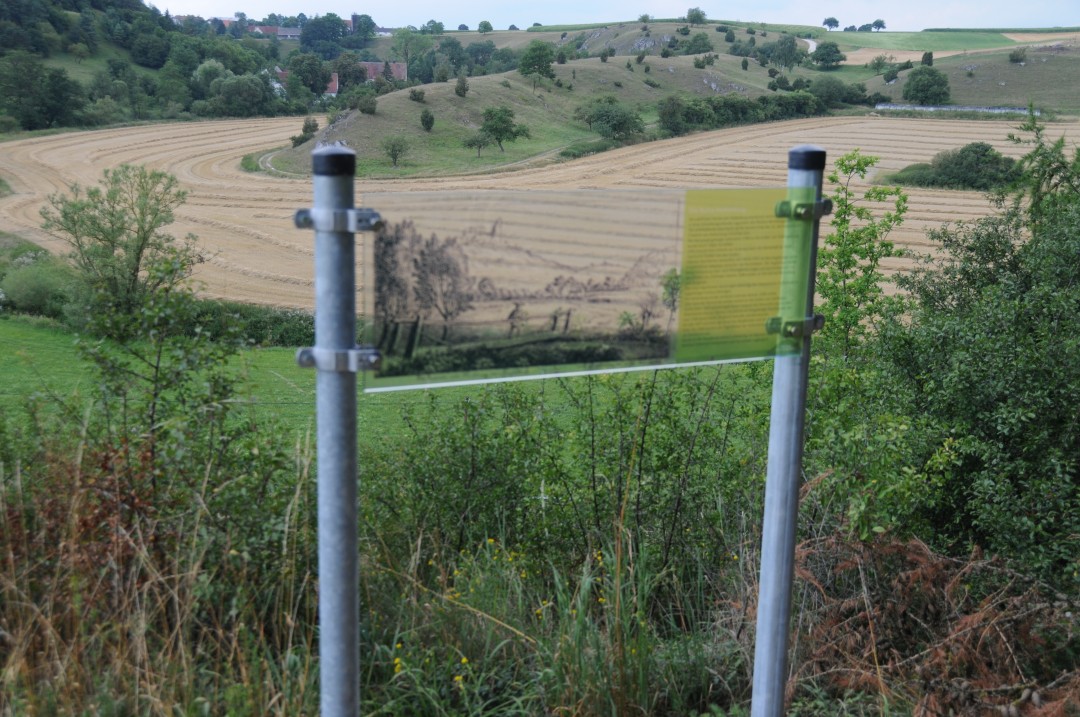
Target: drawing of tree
<point x="442" y="280"/>
<point x="394" y="245"/>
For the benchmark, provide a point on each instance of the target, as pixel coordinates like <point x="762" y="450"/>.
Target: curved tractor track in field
<point x="254" y="254"/>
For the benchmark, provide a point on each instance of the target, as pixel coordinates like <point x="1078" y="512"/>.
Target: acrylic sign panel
<point x="483" y="286"/>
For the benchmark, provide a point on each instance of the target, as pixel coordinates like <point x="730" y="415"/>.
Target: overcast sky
<point x="911" y="15"/>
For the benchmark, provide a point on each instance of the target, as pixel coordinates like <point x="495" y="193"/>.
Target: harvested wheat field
<point x="254" y="254"/>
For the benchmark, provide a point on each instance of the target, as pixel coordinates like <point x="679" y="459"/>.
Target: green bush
<point x="921" y="174"/>
<point x="38" y="284"/>
<point x="587" y="148"/>
<point x="367" y="104"/>
<point x="974" y="166"/>
<point x="256" y="324"/>
<point x="985" y="353"/>
<point x="988" y="353"/>
<point x="926" y="86"/>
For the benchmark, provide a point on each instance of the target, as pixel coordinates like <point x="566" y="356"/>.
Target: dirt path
<point x="244" y="220"/>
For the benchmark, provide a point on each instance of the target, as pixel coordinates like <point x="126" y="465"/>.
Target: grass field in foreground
<point x="41" y="359"/>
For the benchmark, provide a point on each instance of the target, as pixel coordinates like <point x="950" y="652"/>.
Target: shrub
<point x="255" y="324"/>
<point x="427" y="120"/>
<point x="38" y="284"/>
<point x="973" y="357"/>
<point x="310" y="127"/>
<point x="396" y="148"/>
<point x="416" y="94"/>
<point x="652" y="83"/>
<point x="698" y="44"/>
<point x="974" y="166"/>
<point x="461" y="88"/>
<point x="587" y="148"/>
<point x="927" y="86"/>
<point x="1018" y="56"/>
<point x="367" y="104"/>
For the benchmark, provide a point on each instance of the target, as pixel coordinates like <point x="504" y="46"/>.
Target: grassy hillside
<point x="1048" y="79"/>
<point x="548" y="112"/>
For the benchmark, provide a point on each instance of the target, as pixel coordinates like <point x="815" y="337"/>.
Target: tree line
<point x="202" y="68"/>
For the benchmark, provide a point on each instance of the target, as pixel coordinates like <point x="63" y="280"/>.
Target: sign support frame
<point x="806" y="165"/>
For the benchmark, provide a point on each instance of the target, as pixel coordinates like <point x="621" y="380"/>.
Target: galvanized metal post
<point x="805" y="167"/>
<point x="335" y="400"/>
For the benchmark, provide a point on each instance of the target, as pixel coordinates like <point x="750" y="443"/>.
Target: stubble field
<point x="253" y="253"/>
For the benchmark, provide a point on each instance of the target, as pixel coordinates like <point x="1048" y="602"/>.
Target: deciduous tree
<point x="442" y="278"/>
<point x="787" y="53"/>
<point x="409" y="44"/>
<point x="499" y="124"/>
<point x="696" y="16"/>
<point x="311" y="72"/>
<point x="536" y="61"/>
<point x="827" y="55"/>
<point x="926" y="86"/>
<point x="365" y="28"/>
<point x="349" y="71"/>
<point x="831" y="23"/>
<point x="119" y="247"/>
<point x="849" y="261"/>
<point x="432" y="27"/>
<point x="38" y="96"/>
<point x="396" y="148"/>
<point x="327" y="28"/>
<point x="478" y="140"/>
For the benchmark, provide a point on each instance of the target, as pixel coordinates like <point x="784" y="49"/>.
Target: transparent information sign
<point x="483" y="286"/>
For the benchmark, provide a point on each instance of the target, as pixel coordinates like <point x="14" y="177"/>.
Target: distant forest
<point x="99" y="62"/>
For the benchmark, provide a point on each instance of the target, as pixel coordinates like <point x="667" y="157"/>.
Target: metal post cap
<point x="333" y="161"/>
<point x="806" y="156"/>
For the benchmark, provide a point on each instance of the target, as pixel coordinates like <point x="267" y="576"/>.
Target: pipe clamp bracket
<point x="795" y="329"/>
<point x="804" y="210"/>
<point x="338" y="220"/>
<point x="338" y="360"/>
